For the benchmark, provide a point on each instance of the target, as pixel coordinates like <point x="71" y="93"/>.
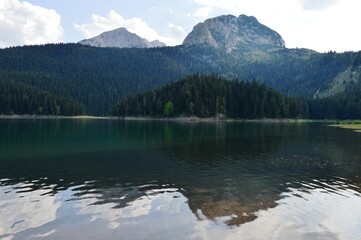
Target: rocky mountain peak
<point x="230" y="33"/>
<point x="120" y="38"/>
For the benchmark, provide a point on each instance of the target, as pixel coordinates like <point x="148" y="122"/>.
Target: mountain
<point x="98" y="78"/>
<point x="121" y="38"/>
<point x="254" y="51"/>
<point x="230" y="33"/>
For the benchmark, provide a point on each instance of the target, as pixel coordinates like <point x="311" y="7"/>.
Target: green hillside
<point x="208" y="96"/>
<point x="98" y="78"/>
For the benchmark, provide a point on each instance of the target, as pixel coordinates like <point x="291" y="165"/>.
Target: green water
<point x="108" y="179"/>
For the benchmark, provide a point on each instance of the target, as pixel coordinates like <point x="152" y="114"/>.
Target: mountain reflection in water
<point x="160" y="180"/>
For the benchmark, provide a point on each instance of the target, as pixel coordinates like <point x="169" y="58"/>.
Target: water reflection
<point x="178" y="181"/>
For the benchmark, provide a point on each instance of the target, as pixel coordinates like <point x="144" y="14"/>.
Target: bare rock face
<point x="230" y="33"/>
<point x="120" y="38"/>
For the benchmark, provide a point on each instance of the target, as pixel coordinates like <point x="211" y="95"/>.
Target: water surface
<point x="100" y="179"/>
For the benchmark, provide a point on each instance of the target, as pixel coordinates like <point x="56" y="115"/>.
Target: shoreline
<point x="31" y="117"/>
<point x="176" y="119"/>
<point x="354" y="125"/>
<point x="215" y="119"/>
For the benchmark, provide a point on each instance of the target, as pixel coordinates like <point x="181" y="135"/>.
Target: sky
<point x="321" y="25"/>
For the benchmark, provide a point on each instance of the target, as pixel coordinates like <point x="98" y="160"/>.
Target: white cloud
<point x="321" y="25"/>
<point x="317" y="5"/>
<point x="135" y="25"/>
<point x="22" y="23"/>
<point x="114" y="20"/>
<point x="203" y="11"/>
<point x="175" y="32"/>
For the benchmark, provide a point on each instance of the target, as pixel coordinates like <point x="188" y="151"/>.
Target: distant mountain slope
<point x="120" y="38"/>
<point x="303" y="73"/>
<point x="346" y="105"/>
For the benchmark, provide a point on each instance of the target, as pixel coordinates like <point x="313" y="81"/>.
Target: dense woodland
<point x="208" y="96"/>
<point x="341" y="106"/>
<point x="98" y="78"/>
<point x="298" y="72"/>
<point x="89" y="80"/>
<point x="16" y="98"/>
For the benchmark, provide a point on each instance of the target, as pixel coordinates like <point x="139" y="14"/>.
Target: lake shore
<point x="26" y="116"/>
<point x="175" y="119"/>
<point x="215" y="119"/>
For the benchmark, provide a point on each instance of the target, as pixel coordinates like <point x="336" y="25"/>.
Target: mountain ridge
<point x="120" y="38"/>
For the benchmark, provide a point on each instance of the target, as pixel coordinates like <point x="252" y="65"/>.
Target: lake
<point x="113" y="179"/>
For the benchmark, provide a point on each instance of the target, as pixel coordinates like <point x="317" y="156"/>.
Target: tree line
<point x="16" y="98"/>
<point x="211" y="95"/>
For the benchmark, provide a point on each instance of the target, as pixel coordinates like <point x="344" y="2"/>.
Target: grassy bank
<point x="348" y="124"/>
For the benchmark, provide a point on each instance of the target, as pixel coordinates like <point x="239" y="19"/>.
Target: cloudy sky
<point x="321" y="25"/>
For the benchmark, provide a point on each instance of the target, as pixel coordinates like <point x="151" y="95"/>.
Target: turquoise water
<point x="108" y="179"/>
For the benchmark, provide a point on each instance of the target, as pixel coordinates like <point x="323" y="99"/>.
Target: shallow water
<point x="99" y="179"/>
